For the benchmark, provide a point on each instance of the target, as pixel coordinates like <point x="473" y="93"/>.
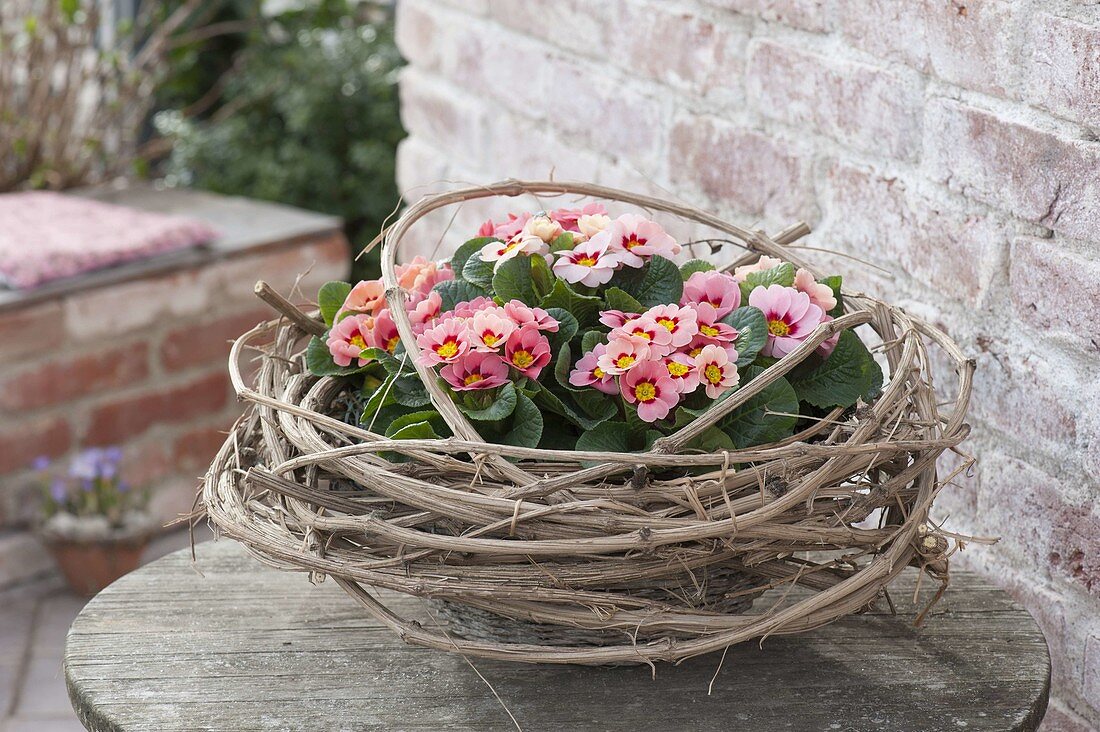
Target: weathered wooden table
<point x="243" y="647"/>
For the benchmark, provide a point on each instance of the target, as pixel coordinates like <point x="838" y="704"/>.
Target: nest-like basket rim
<point x="268" y="498"/>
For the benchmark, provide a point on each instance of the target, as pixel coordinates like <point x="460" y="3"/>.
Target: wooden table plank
<point x="243" y="647"/>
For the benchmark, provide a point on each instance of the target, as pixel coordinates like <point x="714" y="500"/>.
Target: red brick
<point x="1040" y="176"/>
<point x="808" y="15"/>
<point x="965" y="42"/>
<point x="195" y="448"/>
<point x="590" y="25"/>
<point x="946" y="249"/>
<point x="1043" y="277"/>
<point x="74" y="376"/>
<point x="26" y="330"/>
<point x="751" y="172"/>
<point x="206" y="342"/>
<point x="129" y="416"/>
<point x="21" y="443"/>
<point x="1063" y="67"/>
<point x="861" y="106"/>
<point x="126" y="307"/>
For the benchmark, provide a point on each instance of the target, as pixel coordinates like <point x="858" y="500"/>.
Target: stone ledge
<point x="246" y="226"/>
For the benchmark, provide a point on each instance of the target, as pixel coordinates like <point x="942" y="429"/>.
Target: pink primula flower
<point x="622" y="355"/>
<point x="592" y="224"/>
<point x="543" y="227"/>
<point x="444" y="343"/>
<point x="646" y="331"/>
<point x="527" y="351"/>
<point x="421" y="275"/>
<point x="348" y="338"/>
<point x="717" y="369"/>
<point x="467" y="309"/>
<point x="569" y="218"/>
<point x="711" y="329"/>
<point x="384" y="333"/>
<point x="717" y="289"/>
<point x="588" y="372"/>
<point x="368" y="296"/>
<point x="489" y="329"/>
<point x="523" y="315"/>
<point x="790" y="314"/>
<point x="651" y="388"/>
<point x="589" y="263"/>
<point x="682" y="323"/>
<point x="501" y="251"/>
<point x="820" y="295"/>
<point x="635" y="239"/>
<point x="829" y="344"/>
<point x="681" y="367"/>
<point x="425" y="312"/>
<point x="761" y="265"/>
<point x="504" y="230"/>
<point x="616" y="318"/>
<point x="475" y="370"/>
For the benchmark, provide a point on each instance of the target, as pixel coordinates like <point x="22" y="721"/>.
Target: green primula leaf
<point x="452" y="292"/>
<point x="478" y="272"/>
<point x="845" y="376"/>
<point x="526" y="424"/>
<point x="467" y="250"/>
<point x="591" y="339"/>
<point x="381" y="397"/>
<point x="752" y="332"/>
<point x="782" y="274"/>
<point x="549" y="400"/>
<point x="618" y="299"/>
<point x="563" y="242"/>
<point x="410" y="391"/>
<point x="687" y="269"/>
<point x="657" y="283"/>
<point x="712" y="440"/>
<point x="563" y="364"/>
<point x="567" y="328"/>
<point x="606" y="437"/>
<point x="764" y="418"/>
<point x="429" y="416"/>
<point x="330" y="298"/>
<point x="319" y="360"/>
<point x="596" y="404"/>
<point x="834" y="283"/>
<point x="585" y="308"/>
<point x="512" y="281"/>
<point x="485" y="407"/>
<point x="542" y="277"/>
<point x="415" y="431"/>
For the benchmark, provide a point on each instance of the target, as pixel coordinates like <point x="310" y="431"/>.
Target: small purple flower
<point x="87" y="485"/>
<point x="41" y="462"/>
<point x="123" y="487"/>
<point x="59" y="491"/>
<point x="112" y="455"/>
<point x="85" y="465"/>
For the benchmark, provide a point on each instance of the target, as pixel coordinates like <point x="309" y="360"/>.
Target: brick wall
<point x="952" y="143"/>
<point x="140" y="360"/>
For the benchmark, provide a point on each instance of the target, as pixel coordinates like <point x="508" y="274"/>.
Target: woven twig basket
<point x="529" y="550"/>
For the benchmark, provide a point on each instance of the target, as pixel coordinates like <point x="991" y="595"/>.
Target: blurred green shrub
<point x="307" y="115"/>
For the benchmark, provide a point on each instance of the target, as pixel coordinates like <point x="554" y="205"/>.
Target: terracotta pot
<point x="89" y="566"/>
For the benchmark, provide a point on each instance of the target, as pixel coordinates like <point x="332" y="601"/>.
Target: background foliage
<point x="301" y="108"/>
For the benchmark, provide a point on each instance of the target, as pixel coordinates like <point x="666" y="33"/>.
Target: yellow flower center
<point x="713" y="373"/>
<point x="391" y="344"/>
<point x="447" y="349"/>
<point x="624" y="361"/>
<point x="708" y="330"/>
<point x="778" y="328"/>
<point x="509" y="247"/>
<point x="489" y="338"/>
<point x="669" y="324"/>
<point x="357" y="340"/>
<point x="522" y="359"/>
<point x="632" y="242"/>
<point x="586" y="261"/>
<point x="472" y="379"/>
<point x="695" y="351"/>
<point x="642" y="334"/>
<point x="677" y="369"/>
<point x="645" y="392"/>
<point x="597" y="372"/>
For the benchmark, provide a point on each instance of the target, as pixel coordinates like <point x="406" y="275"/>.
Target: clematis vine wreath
<point x="582" y="319"/>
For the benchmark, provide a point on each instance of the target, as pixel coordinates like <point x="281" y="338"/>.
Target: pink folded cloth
<point x="46" y="236"/>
